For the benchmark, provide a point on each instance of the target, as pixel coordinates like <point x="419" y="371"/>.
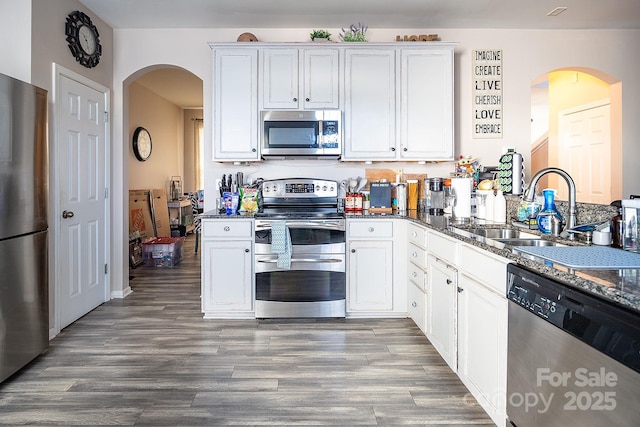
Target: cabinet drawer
<point x="417" y="276"/>
<point x="224" y="229"/>
<point x="417" y="300"/>
<point x="417" y="235"/>
<point x="418" y="256"/>
<point x="372" y="229"/>
<point x="443" y="247"/>
<point x="485" y="267"/>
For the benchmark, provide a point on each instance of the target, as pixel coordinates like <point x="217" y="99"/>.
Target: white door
<point x="81" y="185"/>
<point x="585" y="153"/>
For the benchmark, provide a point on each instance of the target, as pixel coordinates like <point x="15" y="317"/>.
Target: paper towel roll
<point x="462" y="190"/>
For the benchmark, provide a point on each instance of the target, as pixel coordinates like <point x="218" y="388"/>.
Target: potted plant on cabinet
<point x="355" y="33"/>
<point x="320" y="36"/>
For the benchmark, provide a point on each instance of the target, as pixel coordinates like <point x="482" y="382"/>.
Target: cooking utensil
<point x="361" y="184"/>
<point x="352" y="185"/>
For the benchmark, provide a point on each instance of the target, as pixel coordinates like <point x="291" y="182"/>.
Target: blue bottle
<point x="549" y="210"/>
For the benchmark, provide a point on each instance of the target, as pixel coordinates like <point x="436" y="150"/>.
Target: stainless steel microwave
<point x="301" y="134"/>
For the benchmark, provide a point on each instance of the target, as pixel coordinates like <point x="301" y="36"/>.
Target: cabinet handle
<point x="247" y="250"/>
<point x="393" y="148"/>
<point x="414" y="274"/>
<point x="414" y="234"/>
<point x="460" y="289"/>
<point x="353" y="251"/>
<point x="253" y="150"/>
<point x="307" y="99"/>
<point x="449" y="281"/>
<point x="414" y="304"/>
<point x="371" y="229"/>
<point x="227" y="228"/>
<point x="295" y="99"/>
<point x="414" y="254"/>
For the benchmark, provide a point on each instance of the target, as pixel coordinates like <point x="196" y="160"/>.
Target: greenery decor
<point x="320" y="34"/>
<point x="355" y="33"/>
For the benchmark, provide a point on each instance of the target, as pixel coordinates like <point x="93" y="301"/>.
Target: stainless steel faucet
<point x="530" y="193"/>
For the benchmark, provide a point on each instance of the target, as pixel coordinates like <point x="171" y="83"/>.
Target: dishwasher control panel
<point x="538" y="304"/>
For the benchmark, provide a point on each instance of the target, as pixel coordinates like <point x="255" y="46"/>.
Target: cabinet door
<point x="321" y="88"/>
<point x="370" y="104"/>
<point x="235" y="104"/>
<point x="441" y="309"/>
<point x="482" y="345"/>
<point x="227" y="276"/>
<point x="370" y="272"/>
<point x="280" y="78"/>
<point x="426" y="130"/>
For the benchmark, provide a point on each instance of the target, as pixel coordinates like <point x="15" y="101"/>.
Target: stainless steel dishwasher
<point x="573" y="358"/>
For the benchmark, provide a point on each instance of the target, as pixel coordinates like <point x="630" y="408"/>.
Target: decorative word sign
<point x="420" y="38"/>
<point x="487" y="93"/>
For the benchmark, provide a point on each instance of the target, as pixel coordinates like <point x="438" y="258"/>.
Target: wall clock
<point x="141" y="144"/>
<point x="83" y="39"/>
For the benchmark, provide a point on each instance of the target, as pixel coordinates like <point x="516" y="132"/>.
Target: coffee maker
<point x="434" y="196"/>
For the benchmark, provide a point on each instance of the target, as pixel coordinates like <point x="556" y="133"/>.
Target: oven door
<point x="307" y="236"/>
<point x="315" y="284"/>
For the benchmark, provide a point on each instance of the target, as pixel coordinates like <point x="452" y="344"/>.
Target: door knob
<point x="67" y="214"/>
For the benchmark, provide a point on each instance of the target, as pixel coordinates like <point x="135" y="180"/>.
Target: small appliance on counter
<point x="510" y="174"/>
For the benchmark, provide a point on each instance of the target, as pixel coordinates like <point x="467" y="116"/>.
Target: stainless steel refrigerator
<point x="24" y="302"/>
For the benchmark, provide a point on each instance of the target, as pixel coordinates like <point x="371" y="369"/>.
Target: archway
<point x="576" y="124"/>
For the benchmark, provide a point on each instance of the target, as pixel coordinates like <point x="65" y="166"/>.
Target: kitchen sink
<point x="502" y="233"/>
<point x="528" y="242"/>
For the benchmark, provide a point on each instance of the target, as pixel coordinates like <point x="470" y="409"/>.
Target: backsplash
<point x="587" y="213"/>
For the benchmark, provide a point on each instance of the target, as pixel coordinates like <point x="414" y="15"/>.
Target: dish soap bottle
<point x="545" y="222"/>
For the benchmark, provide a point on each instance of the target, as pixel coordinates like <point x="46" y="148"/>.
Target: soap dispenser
<point x="547" y="224"/>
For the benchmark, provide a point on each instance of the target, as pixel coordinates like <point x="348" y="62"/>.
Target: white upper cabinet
<point x="300" y="78"/>
<point x="370" y="104"/>
<point x="426" y="119"/>
<point x="397" y="98"/>
<point x="235" y="104"/>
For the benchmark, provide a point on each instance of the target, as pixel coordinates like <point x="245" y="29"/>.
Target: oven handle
<point x="309" y="260"/>
<point x="325" y="225"/>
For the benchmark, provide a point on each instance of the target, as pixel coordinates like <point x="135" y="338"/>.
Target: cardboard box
<point x="160" y="212"/>
<point x="140" y="213"/>
<point x="162" y="251"/>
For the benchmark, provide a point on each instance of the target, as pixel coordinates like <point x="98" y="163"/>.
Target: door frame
<point x="55" y="210"/>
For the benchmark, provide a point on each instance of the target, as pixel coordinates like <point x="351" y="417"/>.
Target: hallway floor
<point x="150" y="359"/>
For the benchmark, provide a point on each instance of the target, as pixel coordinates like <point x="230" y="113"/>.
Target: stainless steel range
<point x="307" y="278"/>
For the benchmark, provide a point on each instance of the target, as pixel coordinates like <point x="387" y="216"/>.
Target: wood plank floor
<point x="150" y="359"/>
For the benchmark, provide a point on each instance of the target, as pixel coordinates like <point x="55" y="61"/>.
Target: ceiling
<point x="374" y="13"/>
<point x="185" y="89"/>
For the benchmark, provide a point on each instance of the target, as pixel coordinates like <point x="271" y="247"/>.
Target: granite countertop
<point x="621" y="286"/>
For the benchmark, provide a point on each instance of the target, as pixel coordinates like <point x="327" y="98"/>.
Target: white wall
<point x="15" y="24"/>
<point x="527" y="54"/>
<point x="164" y="121"/>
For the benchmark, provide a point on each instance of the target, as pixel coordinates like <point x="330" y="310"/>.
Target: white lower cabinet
<point x="417" y="298"/>
<point x="482" y="345"/>
<point x="370" y="275"/>
<point x="466" y="316"/>
<point x="375" y="286"/>
<point x="441" y="308"/>
<point x="227" y="269"/>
